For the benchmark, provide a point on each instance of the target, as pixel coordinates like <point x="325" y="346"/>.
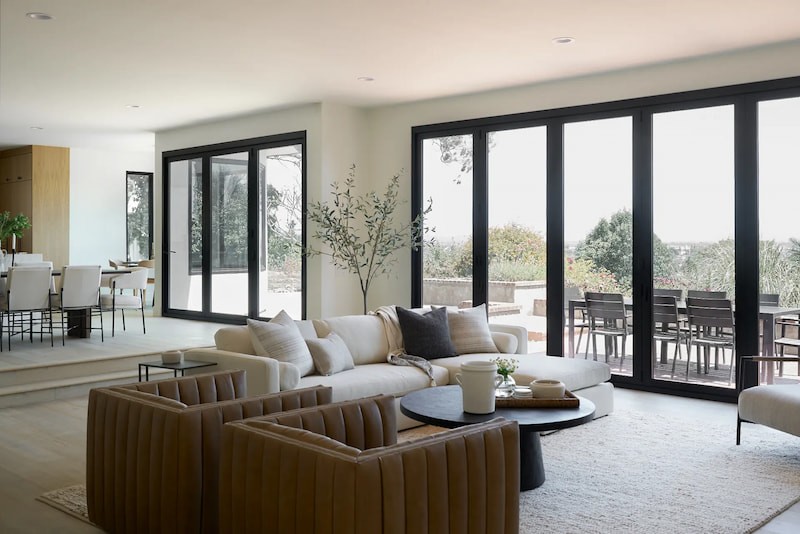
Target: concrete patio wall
<point x="452" y="292"/>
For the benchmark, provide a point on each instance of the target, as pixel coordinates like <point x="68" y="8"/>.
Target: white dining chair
<point x="39" y="265"/>
<point x="136" y="281"/>
<point x="26" y="257"/>
<point x="27" y="292"/>
<point x="80" y="293"/>
<point x="105" y="278"/>
<point x="150" y="265"/>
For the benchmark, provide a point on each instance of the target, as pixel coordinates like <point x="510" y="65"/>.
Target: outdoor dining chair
<point x="665" y="292"/>
<point x="705" y="294"/>
<point x="711" y="326"/>
<point x="607" y="317"/>
<point x="667" y="326"/>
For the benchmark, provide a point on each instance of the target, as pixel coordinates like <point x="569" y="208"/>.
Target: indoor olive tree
<point x="359" y="232"/>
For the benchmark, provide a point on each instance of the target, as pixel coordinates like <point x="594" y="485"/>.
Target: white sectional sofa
<point x="366" y="338"/>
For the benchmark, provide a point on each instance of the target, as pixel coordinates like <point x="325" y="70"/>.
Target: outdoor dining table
<point x="766" y="314"/>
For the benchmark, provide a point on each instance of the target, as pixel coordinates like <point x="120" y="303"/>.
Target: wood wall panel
<point x="39" y="188"/>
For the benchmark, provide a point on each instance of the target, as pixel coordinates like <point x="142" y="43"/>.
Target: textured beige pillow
<point x="330" y="354"/>
<point x="281" y="339"/>
<point x="469" y="330"/>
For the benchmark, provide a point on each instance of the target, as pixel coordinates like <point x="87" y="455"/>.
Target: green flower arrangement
<point x="506" y="366"/>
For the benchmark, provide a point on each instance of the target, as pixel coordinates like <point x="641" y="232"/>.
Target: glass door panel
<point x="517" y="227"/>
<point x="280" y="172"/>
<point x="447" y="259"/>
<point x="693" y="225"/>
<point x="229" y="279"/>
<point x="779" y="251"/>
<point x="598" y="234"/>
<point x="185" y="235"/>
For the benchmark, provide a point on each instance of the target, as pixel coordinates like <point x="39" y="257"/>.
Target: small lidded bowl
<point x="172" y="356"/>
<point x="548" y="389"/>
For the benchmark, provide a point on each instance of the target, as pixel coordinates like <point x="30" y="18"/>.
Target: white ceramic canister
<point x="172" y="356"/>
<point x="478" y="381"/>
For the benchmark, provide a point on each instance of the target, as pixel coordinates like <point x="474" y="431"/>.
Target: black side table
<point x="182" y="367"/>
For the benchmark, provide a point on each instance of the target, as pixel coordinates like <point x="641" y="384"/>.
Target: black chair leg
<point x="738" y="430"/>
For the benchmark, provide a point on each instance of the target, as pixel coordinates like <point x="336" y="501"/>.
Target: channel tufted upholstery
<point x="152" y="462"/>
<point x="337" y="469"/>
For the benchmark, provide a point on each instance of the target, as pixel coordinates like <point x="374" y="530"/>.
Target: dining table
<point x="79" y="321"/>
<point x="766" y="314"/>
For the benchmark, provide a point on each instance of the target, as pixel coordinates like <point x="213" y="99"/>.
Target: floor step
<point x="67" y="388"/>
<point x="78" y="369"/>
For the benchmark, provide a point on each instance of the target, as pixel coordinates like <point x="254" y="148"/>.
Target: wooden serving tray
<point x="569" y="400"/>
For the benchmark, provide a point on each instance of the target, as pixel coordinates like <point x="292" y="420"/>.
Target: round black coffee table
<point x="441" y="406"/>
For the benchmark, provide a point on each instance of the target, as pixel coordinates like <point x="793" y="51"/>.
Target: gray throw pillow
<point x="469" y="331"/>
<point x="427" y="335"/>
<point x="330" y="354"/>
<point x="281" y="339"/>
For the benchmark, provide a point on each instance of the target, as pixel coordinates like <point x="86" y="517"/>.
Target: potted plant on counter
<point x="11" y="227"/>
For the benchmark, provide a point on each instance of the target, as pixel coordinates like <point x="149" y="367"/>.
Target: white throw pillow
<point x="281" y="339"/>
<point x="330" y="354"/>
<point x="469" y="330"/>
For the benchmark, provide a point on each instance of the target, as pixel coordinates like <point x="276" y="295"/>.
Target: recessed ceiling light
<point x="365" y="79"/>
<point x="563" y="40"/>
<point x="133" y="106"/>
<point x="38" y="16"/>
<point x="36" y="128"/>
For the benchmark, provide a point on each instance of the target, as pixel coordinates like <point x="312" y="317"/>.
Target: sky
<point x="693" y="173"/>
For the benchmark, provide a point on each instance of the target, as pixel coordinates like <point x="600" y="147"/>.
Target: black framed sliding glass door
<point x="234" y="231"/>
<point x="644" y="197"/>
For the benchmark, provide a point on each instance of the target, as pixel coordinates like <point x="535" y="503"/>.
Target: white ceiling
<point x="191" y="61"/>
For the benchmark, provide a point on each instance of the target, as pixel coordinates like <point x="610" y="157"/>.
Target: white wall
<point x="390" y="127"/>
<point x="344" y="143"/>
<point x="97" y="202"/>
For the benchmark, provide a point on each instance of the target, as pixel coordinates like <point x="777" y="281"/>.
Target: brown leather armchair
<point x="338" y="469"/>
<point x="152" y="462"/>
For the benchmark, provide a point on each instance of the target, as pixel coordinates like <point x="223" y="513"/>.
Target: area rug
<point x="71" y="500"/>
<point x="635" y="473"/>
<point x="632" y="472"/>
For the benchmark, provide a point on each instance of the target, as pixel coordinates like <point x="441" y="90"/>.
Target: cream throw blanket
<point x="397" y="354"/>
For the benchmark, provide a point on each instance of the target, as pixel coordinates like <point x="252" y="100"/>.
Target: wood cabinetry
<point x="34" y="180"/>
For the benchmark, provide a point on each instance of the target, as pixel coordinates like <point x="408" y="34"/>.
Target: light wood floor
<point x="163" y="333"/>
<point x="42" y="448"/>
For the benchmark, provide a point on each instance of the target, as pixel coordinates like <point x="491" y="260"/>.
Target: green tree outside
<point x="609" y="246"/>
